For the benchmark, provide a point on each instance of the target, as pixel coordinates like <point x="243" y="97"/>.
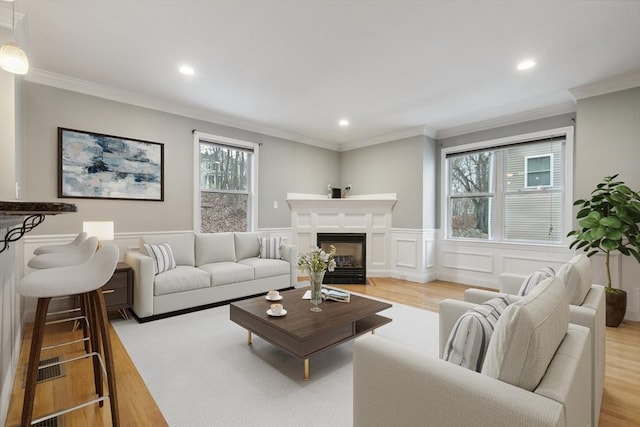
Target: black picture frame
<point x="93" y="165"/>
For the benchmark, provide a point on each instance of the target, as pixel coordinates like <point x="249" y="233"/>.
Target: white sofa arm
<point x="480" y="296"/>
<point x="392" y="382"/>
<point x="591" y="314"/>
<point x="450" y="311"/>
<point x="143" y="278"/>
<point x="510" y="283"/>
<point x="290" y="253"/>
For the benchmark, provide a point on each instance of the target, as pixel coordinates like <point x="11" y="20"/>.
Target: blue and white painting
<point x="100" y="166"/>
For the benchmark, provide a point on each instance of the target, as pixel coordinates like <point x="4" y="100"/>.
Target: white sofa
<point x="211" y="268"/>
<point x="397" y="385"/>
<point x="591" y="313"/>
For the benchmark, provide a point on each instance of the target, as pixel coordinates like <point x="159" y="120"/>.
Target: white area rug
<point x="201" y="372"/>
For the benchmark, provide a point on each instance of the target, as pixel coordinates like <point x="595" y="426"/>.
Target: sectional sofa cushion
<point x="162" y="257"/>
<point x="270" y="247"/>
<point x="534" y="279"/>
<point x="527" y="336"/>
<point x="267" y="267"/>
<point x="182" y="278"/>
<point x="215" y="247"/>
<point x="248" y="244"/>
<point x="223" y="273"/>
<point x="181" y="246"/>
<point x="576" y="275"/>
<point x="472" y="332"/>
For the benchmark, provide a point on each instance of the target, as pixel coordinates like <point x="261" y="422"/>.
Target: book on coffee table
<point x="330" y="294"/>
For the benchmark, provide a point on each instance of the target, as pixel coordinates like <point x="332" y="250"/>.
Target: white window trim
<point x="567" y="132"/>
<point x="253" y="178"/>
<point x="526" y="170"/>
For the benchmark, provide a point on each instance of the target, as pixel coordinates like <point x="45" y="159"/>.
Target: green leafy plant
<point x="609" y="221"/>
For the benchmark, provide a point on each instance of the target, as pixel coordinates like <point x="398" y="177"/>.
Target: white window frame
<point x="526" y="170"/>
<point x="252" y="200"/>
<point x="567" y="132"/>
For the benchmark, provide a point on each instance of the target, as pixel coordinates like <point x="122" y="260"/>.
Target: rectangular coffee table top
<point x="302" y="332"/>
<point x="300" y="322"/>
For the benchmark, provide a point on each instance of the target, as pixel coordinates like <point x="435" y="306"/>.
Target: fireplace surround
<point x="369" y="214"/>
<point x="351" y="257"/>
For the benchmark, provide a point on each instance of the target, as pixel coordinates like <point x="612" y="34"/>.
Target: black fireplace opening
<point x="351" y="257"/>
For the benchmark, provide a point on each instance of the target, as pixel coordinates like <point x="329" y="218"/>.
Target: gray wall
<point x="284" y="165"/>
<point x="495" y="133"/>
<point x="403" y="167"/>
<point x="608" y="142"/>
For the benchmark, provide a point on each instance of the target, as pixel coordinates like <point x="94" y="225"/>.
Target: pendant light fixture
<point x="12" y="58"/>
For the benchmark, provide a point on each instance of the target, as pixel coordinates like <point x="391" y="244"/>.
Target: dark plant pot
<point x="616" y="307"/>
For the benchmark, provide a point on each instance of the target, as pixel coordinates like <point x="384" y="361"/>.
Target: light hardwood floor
<point x="621" y="400"/>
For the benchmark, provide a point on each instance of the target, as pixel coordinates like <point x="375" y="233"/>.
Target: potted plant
<point x="609" y="222"/>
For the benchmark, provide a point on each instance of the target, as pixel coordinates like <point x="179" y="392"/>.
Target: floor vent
<point x="46" y="374"/>
<point x="51" y="422"/>
<point x="51" y="372"/>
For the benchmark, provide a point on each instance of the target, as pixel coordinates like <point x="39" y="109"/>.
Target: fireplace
<point x="351" y="257"/>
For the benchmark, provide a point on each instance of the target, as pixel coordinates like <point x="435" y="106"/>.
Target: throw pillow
<point x="527" y="336"/>
<point x="270" y="247"/>
<point x="470" y="336"/>
<point x="535" y="278"/>
<point x="576" y="275"/>
<point x="162" y="255"/>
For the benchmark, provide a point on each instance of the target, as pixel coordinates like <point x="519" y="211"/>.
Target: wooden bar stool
<point x="61" y="248"/>
<point x="64" y="256"/>
<point x="84" y="280"/>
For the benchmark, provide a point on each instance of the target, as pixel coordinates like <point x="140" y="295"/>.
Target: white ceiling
<point x="294" y="68"/>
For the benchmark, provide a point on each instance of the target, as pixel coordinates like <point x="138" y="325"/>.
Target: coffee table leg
<point x="248" y="337"/>
<point x="306" y="369"/>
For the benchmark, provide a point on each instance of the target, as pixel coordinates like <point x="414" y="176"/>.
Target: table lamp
<point x="103" y="230"/>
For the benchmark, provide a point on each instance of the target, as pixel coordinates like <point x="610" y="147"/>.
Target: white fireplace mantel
<point x="360" y="203"/>
<point x="369" y="214"/>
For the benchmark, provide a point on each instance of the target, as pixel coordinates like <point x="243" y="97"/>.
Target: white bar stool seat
<point x="61" y="248"/>
<point x="85" y="280"/>
<point x="73" y="255"/>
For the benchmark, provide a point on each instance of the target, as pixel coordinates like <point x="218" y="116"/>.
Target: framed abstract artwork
<point x="97" y="166"/>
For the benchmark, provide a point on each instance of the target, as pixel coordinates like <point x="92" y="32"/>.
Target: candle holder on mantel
<point x="12" y="213"/>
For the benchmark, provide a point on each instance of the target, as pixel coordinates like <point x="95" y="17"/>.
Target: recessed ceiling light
<point x="185" y="69"/>
<point x="343" y="122"/>
<point x="526" y="64"/>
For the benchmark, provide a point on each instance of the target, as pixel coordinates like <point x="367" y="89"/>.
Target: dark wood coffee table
<point x="303" y="333"/>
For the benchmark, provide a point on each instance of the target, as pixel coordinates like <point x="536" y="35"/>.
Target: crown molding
<point x="61" y="81"/>
<point x="510" y="119"/>
<point x="613" y="84"/>
<point x="394" y="136"/>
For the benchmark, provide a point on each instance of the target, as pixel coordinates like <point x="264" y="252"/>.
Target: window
<point x="514" y="189"/>
<point x="539" y="171"/>
<point x="226" y="184"/>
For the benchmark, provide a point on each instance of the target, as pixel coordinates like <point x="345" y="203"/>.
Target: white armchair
<point x="591" y="314"/>
<point x="396" y="385"/>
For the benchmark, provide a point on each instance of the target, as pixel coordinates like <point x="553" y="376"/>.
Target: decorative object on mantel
<point x="315" y="264"/>
<point x="609" y="222"/>
<point x="97" y="166"/>
<point x="33" y="211"/>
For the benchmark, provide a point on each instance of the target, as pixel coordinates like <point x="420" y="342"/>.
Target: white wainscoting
<point x="418" y="256"/>
<point x="480" y="263"/>
<point x="413" y="255"/>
